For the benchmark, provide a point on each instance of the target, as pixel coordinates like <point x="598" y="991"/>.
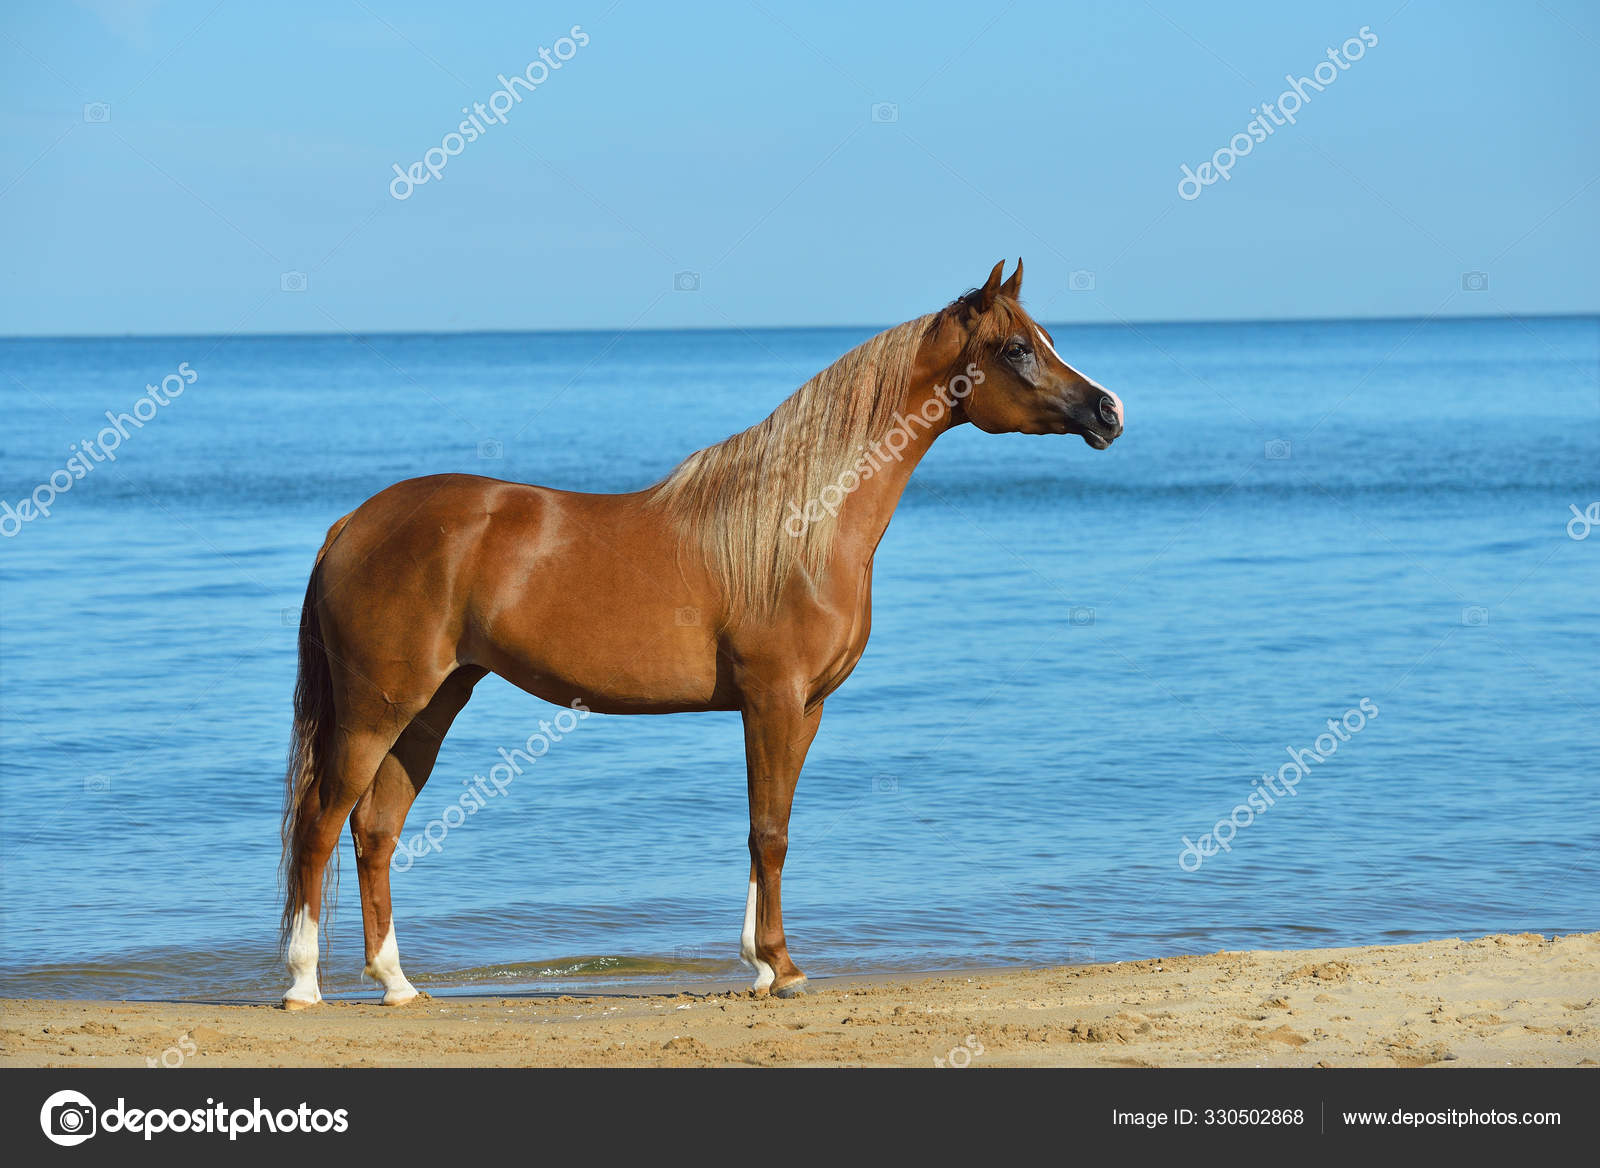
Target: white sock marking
<point x="303" y="959"/>
<point x="384" y="968"/>
<point x="747" y="942"/>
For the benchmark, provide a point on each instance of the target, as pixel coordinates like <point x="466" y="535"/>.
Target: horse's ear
<point x="991" y="288"/>
<point x="1013" y="286"/>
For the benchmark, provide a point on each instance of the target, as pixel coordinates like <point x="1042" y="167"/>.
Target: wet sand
<point x="1522" y="1000"/>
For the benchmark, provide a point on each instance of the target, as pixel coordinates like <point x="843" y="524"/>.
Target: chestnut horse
<point x="766" y="540"/>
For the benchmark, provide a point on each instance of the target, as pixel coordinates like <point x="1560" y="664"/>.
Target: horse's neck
<point x="865" y="515"/>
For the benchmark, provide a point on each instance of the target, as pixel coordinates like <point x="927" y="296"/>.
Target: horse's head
<point x="1026" y="387"/>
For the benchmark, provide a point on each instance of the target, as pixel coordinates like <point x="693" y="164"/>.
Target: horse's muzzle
<point x="1106" y="424"/>
<point x="1110" y="411"/>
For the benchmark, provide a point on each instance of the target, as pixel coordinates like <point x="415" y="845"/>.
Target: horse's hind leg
<point x="327" y="802"/>
<point x="376" y="823"/>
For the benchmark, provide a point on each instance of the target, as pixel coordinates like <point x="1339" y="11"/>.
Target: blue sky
<point x="738" y="141"/>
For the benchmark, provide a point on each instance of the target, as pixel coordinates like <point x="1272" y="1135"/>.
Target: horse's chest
<point x="848" y="643"/>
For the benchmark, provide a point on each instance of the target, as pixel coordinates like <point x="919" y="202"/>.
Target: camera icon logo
<point x="686" y="617"/>
<point x="686" y="954"/>
<point x="68" y="1118"/>
<point x="1474" y="616"/>
<point x="1279" y="449"/>
<point x="96" y="784"/>
<point x="686" y="281"/>
<point x="1474" y="281"/>
<point x="96" y="112"/>
<point x="1081" y="281"/>
<point x="885" y="785"/>
<point x="884" y="112"/>
<point x="491" y="448"/>
<point x="292" y="282"/>
<point x="1078" y="616"/>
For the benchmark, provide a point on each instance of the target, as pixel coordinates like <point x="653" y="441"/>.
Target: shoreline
<point x="1517" y="1000"/>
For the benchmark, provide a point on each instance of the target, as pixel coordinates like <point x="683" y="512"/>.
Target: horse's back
<point x="414" y="524"/>
<point x="562" y="593"/>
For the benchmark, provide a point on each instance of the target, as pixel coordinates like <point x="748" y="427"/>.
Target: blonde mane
<point x="733" y="499"/>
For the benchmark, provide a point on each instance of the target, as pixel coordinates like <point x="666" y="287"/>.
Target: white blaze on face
<point x="303" y="959"/>
<point x="747" y="942"/>
<point x="1117" y="401"/>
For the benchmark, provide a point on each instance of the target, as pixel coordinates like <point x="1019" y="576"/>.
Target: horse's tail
<point x="310" y="740"/>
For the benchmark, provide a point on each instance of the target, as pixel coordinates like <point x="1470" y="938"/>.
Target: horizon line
<point x="611" y="330"/>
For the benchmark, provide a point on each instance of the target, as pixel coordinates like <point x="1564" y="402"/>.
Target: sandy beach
<point x="1523" y="1000"/>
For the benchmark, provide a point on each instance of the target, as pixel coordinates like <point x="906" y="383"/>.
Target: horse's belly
<point x="617" y="658"/>
<point x="607" y="689"/>
<point x="574" y="599"/>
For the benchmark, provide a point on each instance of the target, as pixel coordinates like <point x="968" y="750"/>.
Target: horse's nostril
<point x="1109" y="414"/>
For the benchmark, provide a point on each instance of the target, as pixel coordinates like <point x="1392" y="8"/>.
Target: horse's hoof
<point x="795" y="989"/>
<point x="300" y="1003"/>
<point x="402" y="997"/>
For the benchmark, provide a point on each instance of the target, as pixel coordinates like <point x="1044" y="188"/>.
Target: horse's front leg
<point x="777" y="734"/>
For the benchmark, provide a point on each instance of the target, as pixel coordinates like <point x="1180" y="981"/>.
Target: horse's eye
<point x="1016" y="352"/>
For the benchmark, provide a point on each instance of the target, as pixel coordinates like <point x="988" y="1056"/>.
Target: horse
<point x="766" y="540"/>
